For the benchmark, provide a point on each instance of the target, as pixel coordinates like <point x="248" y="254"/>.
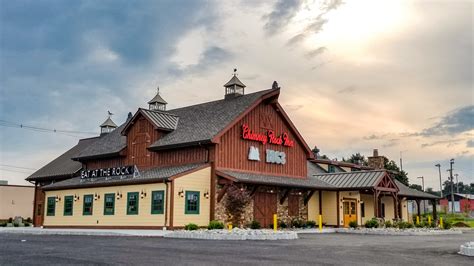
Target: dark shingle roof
<point x="246" y="177"/>
<point x="109" y="144"/>
<point x="314" y="169"/>
<point x="146" y="176"/>
<point x="162" y="120"/>
<point x="358" y="179"/>
<point x="413" y="193"/>
<point x="234" y="81"/>
<point x="63" y="165"/>
<point x="200" y="123"/>
<point x="157" y="99"/>
<point x="108" y="123"/>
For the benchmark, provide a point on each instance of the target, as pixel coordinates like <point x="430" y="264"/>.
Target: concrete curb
<point x="234" y="235"/>
<point x="397" y="233"/>
<point x="84" y="232"/>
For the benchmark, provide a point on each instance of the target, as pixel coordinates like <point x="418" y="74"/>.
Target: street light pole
<point x="440" y="184"/>
<point x="423" y="188"/>
<point x="451" y="162"/>
<point x="457" y="183"/>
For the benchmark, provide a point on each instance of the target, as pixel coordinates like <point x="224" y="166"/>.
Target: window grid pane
<point x="88" y="204"/>
<point x="109" y="204"/>
<point x="50" y="209"/>
<point x="192" y="202"/>
<point x="157" y="202"/>
<point x="68" y="205"/>
<point x="132" y="203"/>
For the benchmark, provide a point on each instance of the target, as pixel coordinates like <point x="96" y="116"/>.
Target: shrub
<point x="282" y="224"/>
<point x="409" y="225"/>
<point x="16" y="225"/>
<point x="297" y="223"/>
<point x="3" y="224"/>
<point x="372" y="223"/>
<point x="353" y="224"/>
<point x="10" y="220"/>
<point x="26" y="224"/>
<point x="191" y="227"/>
<point x="311" y="224"/>
<point x="388" y="224"/>
<point x="255" y="225"/>
<point x="215" y="225"/>
<point x="448" y="224"/>
<point x="28" y="220"/>
<point x="236" y="201"/>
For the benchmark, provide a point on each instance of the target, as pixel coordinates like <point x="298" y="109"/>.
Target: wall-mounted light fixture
<point x="58" y="198"/>
<point x="181" y="192"/>
<point x="206" y="194"/>
<point x="96" y="196"/>
<point x="143" y="194"/>
<point x="119" y="195"/>
<point x="76" y="197"/>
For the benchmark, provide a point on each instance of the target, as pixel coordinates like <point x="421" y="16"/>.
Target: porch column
<point x="376" y="203"/>
<point x="435" y="214"/>
<point x="320" y="196"/>
<point x="418" y="209"/>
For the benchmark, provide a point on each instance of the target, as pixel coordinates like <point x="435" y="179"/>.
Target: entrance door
<point x="350" y="212"/>
<point x="265" y="205"/>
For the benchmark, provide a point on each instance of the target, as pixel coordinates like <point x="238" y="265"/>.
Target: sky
<point x="355" y="75"/>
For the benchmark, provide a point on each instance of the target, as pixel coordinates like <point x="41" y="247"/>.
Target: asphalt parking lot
<point x="326" y="249"/>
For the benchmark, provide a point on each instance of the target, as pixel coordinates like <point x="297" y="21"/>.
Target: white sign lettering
<point x="254" y="154"/>
<point x="277" y="157"/>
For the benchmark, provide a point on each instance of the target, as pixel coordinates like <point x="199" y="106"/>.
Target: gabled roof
<point x="157" y="99"/>
<point x="202" y="122"/>
<point x="413" y="193"/>
<point x="63" y="165"/>
<point x="254" y="178"/>
<point x="108" y="145"/>
<point x="108" y="123"/>
<point x="146" y="176"/>
<point x="356" y="180"/>
<point x="234" y="81"/>
<point x="314" y="169"/>
<point x="159" y="119"/>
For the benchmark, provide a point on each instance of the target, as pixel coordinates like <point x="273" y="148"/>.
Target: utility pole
<point x="440" y="184"/>
<point x="457" y="183"/>
<point x="423" y="188"/>
<point x="451" y="162"/>
<point x="401" y="162"/>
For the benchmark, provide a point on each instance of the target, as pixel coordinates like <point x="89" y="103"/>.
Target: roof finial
<point x="235" y="71"/>
<point x="109" y="113"/>
<point x="158" y="90"/>
<point x="275" y="85"/>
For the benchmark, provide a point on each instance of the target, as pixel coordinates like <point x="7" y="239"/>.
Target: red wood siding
<point x="104" y="163"/>
<point x="232" y="152"/>
<point x="180" y="156"/>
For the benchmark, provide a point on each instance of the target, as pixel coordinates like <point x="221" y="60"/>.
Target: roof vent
<point x="234" y="87"/>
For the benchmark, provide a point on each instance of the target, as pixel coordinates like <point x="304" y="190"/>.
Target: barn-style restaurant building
<point x="167" y="168"/>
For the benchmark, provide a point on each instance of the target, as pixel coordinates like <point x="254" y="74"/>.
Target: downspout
<point x="34" y="204"/>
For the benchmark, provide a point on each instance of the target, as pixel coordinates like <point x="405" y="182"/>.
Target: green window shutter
<point x="191" y="202"/>
<point x="88" y="204"/>
<point x="51" y="206"/>
<point x="132" y="203"/>
<point x="157" y="202"/>
<point x="109" y="204"/>
<point x="68" y="205"/>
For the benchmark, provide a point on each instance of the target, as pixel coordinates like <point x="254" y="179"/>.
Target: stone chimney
<point x="376" y="161"/>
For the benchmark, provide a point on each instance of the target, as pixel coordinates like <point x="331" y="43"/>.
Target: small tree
<point x="235" y="204"/>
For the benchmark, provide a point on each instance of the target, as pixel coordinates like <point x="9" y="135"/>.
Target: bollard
<point x="230" y="227"/>
<point x="429" y="221"/>
<point x="441" y="222"/>
<point x="320" y="223"/>
<point x="417" y="219"/>
<point x="275" y="226"/>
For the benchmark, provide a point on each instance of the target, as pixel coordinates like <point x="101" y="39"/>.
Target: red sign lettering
<point x="269" y="137"/>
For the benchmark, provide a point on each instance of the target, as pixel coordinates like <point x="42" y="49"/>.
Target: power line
<point x="19" y="167"/>
<point x="5" y="123"/>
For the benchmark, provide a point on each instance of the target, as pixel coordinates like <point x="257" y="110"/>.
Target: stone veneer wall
<point x="282" y="209"/>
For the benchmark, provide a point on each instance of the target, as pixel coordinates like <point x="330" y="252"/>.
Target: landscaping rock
<point x="467" y="249"/>
<point x="234" y="234"/>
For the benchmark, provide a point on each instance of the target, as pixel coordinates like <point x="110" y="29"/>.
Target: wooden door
<point x="293" y="206"/>
<point x="265" y="205"/>
<point x="38" y="216"/>
<point x="350" y="212"/>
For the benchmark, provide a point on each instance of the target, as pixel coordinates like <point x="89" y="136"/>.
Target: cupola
<point x="157" y="103"/>
<point x="234" y="87"/>
<point x="108" y="125"/>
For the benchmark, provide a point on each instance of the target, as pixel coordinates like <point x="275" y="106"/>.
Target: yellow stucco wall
<point x="120" y="217"/>
<point x="329" y="207"/>
<point x="347" y="169"/>
<point x="389" y="208"/>
<point x="405" y="215"/>
<point x="313" y="207"/>
<point x="197" y="181"/>
<point x="324" y="166"/>
<point x="368" y="206"/>
<point x="16" y="201"/>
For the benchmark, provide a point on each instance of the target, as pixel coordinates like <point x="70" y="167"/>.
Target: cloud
<point x="293" y="107"/>
<point x="211" y="57"/>
<point x="448" y="143"/>
<point x="470" y="144"/>
<point x="348" y="89"/>
<point x="316" y="52"/>
<point x="391" y="143"/>
<point x="455" y="122"/>
<point x="283" y="12"/>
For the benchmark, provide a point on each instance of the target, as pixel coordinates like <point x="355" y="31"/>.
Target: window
<point x="88" y="203"/>
<point x="51" y="207"/>
<point x="362" y="209"/>
<point x="157" y="200"/>
<point x="68" y="204"/>
<point x="132" y="203"/>
<point x="109" y="204"/>
<point x="191" y="202"/>
<point x="331" y="169"/>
